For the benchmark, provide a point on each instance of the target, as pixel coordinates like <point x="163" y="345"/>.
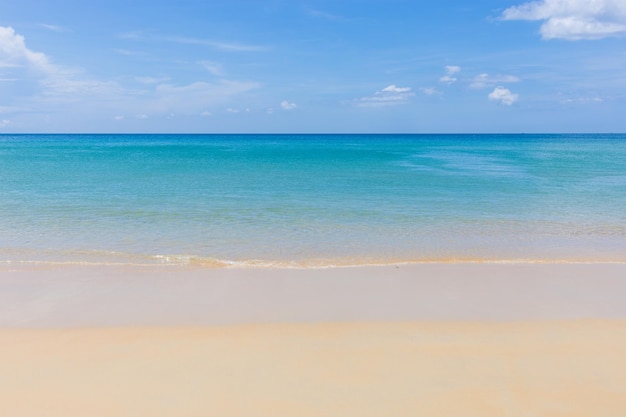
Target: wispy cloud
<point x="448" y="77"/>
<point x="224" y="46"/>
<point x="66" y="86"/>
<point x="127" y="52"/>
<point x="152" y="80"/>
<point x="392" y="89"/>
<point x="388" y="96"/>
<point x="503" y="96"/>
<point x="133" y="35"/>
<point x="54" y="28"/>
<point x="583" y="100"/>
<point x="198" y="96"/>
<point x="573" y="19"/>
<point x="323" y="14"/>
<point x="429" y="91"/>
<point x="215" y="44"/>
<point x="485" y="80"/>
<point x="52" y="87"/>
<point x="11" y="109"/>
<point x="213" y="68"/>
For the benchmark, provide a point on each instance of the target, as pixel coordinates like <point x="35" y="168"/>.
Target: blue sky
<point x="394" y="66"/>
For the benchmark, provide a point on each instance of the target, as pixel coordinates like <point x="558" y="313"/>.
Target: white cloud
<point x="573" y="19"/>
<point x="206" y="114"/>
<point x="4" y="123"/>
<point x="503" y="96"/>
<point x="449" y="77"/>
<point x="287" y="105"/>
<point x="118" y="118"/>
<point x="388" y="96"/>
<point x="14" y="53"/>
<point x="486" y="80"/>
<point x="53" y="80"/>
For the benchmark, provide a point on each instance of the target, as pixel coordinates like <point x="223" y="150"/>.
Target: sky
<point x="316" y="66"/>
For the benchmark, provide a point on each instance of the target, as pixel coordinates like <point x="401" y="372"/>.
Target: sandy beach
<point x="402" y="340"/>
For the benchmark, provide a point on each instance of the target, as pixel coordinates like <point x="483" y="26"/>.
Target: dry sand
<point x="421" y="340"/>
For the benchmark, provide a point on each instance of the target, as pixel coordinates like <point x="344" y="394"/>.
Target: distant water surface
<point x="311" y="200"/>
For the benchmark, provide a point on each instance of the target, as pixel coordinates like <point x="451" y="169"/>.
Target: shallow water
<point x="311" y="199"/>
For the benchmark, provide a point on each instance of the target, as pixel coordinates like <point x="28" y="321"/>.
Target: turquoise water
<point x="311" y="199"/>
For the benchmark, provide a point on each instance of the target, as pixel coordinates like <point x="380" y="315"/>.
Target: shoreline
<point x="113" y="295"/>
<point x="210" y="263"/>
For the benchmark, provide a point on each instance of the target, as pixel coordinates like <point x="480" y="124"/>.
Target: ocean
<point x="311" y="200"/>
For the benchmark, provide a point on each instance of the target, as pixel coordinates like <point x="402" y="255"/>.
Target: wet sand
<point x="433" y="339"/>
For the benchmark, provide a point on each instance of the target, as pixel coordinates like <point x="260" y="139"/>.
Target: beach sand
<point x="408" y="340"/>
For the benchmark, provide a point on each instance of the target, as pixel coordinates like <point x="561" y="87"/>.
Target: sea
<point x="293" y="200"/>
